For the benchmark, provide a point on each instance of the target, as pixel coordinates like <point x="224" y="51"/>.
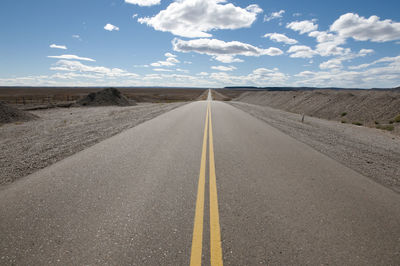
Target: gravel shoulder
<point x="61" y="132"/>
<point x="371" y="152"/>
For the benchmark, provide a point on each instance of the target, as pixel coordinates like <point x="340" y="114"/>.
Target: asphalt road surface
<point x="204" y="183"/>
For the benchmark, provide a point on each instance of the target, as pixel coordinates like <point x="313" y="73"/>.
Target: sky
<point x="200" y="43"/>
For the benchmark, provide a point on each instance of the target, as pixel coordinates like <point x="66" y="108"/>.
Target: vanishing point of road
<point x="206" y="184"/>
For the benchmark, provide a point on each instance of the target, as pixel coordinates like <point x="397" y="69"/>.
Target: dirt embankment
<point x="106" y="97"/>
<point x="373" y="108"/>
<point x="9" y="114"/>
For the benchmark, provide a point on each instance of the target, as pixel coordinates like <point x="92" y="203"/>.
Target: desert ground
<point x="358" y="128"/>
<point x="40" y="130"/>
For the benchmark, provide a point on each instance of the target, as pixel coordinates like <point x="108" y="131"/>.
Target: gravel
<point x="9" y="114"/>
<point x="61" y="132"/>
<point x="371" y="152"/>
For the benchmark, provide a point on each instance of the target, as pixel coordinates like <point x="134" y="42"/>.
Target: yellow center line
<point x="215" y="231"/>
<point x="197" y="240"/>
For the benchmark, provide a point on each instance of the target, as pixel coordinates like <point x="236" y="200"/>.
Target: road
<point x="204" y="183"/>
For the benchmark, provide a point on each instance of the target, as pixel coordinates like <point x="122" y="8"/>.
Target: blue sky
<point x="200" y="43"/>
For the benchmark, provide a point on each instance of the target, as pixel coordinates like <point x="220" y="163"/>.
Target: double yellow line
<point x="215" y="232"/>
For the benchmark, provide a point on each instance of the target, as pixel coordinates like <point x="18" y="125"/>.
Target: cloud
<point x="301" y="51"/>
<point x="220" y="50"/>
<point x="387" y="75"/>
<point x="162" y="70"/>
<point x="76" y="36"/>
<point x="195" y="18"/>
<point x="223" y="68"/>
<point x="55" y="46"/>
<point x="169" y="55"/>
<point x="111" y="27"/>
<point x="75" y="66"/>
<point x="182" y="70"/>
<point x="366" y="51"/>
<point x="302" y="26"/>
<point x="143" y="2"/>
<point x="274" y="15"/>
<point x="331" y="64"/>
<point x="381" y="60"/>
<point x="351" y="25"/>
<point x="71" y="57"/>
<point x="323" y="36"/>
<point x="277" y="37"/>
<point x="134" y="15"/>
<point x="170" y="61"/>
<point x="328" y="43"/>
<point x="227" y="59"/>
<point x="259" y="77"/>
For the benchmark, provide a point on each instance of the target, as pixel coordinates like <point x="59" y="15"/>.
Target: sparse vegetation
<point x="357" y="123"/>
<point x="391" y="121"/>
<point x="343" y="114"/>
<point x="343" y="121"/>
<point x="376" y="123"/>
<point x="397" y="119"/>
<point x="385" y="127"/>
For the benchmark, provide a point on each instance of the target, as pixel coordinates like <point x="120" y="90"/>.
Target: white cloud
<point x="75" y="66"/>
<point x="364" y="52"/>
<point x="195" y="18"/>
<point x="301" y="51"/>
<point x="182" y="70"/>
<point x="259" y="77"/>
<point x="302" y="26"/>
<point x="71" y="57"/>
<point x="222" y="51"/>
<point x="383" y="76"/>
<point x="274" y="15"/>
<point x="277" y="37"/>
<point x="202" y="74"/>
<point x="331" y="64"/>
<point x="395" y="59"/>
<point x="227" y="59"/>
<point x="134" y="15"/>
<point x="111" y="27"/>
<point x="76" y="36"/>
<point x="170" y="61"/>
<point x="143" y="2"/>
<point x="323" y="36"/>
<point x="162" y="70"/>
<point x="223" y="68"/>
<point x="351" y="25"/>
<point x="169" y="55"/>
<point x="55" y="46"/>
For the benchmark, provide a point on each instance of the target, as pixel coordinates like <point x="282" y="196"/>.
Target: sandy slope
<point x="350" y="106"/>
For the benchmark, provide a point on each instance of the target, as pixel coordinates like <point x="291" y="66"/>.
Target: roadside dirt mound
<point x="10" y="114"/>
<point x="366" y="107"/>
<point x="106" y="97"/>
